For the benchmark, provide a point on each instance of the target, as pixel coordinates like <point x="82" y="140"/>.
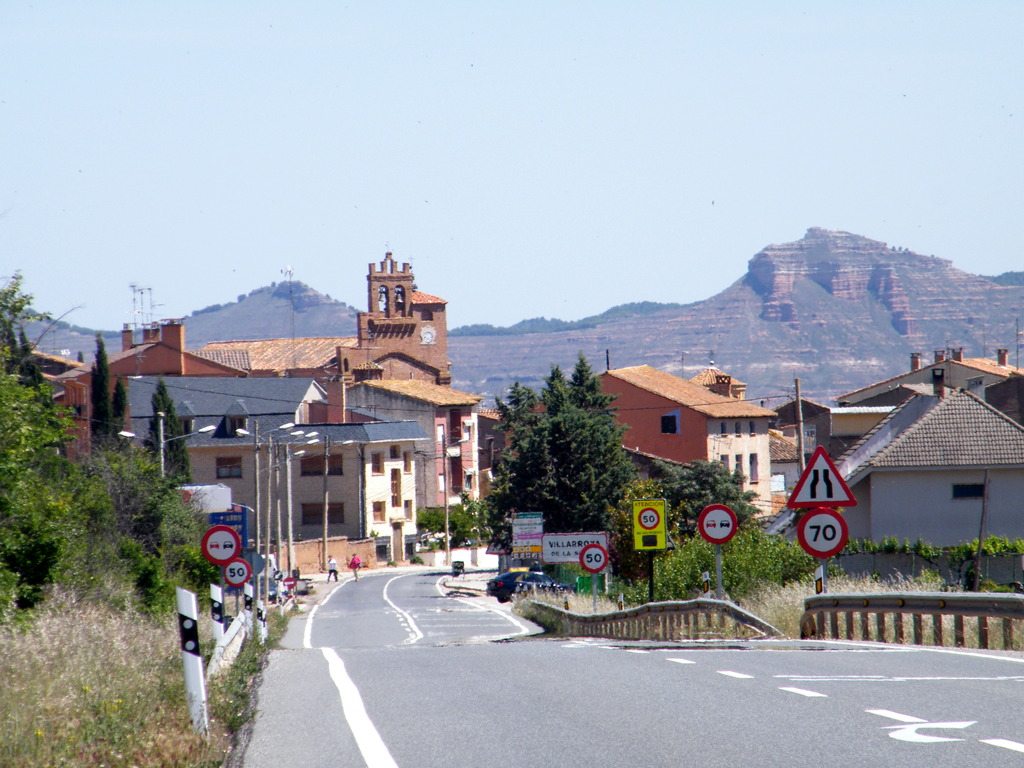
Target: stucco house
<point x="942" y="469"/>
<point x="672" y="418"/>
<point x="268" y="446"/>
<point x="447" y="457"/>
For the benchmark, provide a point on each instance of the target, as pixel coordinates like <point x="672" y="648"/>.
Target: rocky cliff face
<point x="835" y="309"/>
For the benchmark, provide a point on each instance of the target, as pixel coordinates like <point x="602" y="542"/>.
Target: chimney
<point x="915" y="361"/>
<point x="150" y="333"/>
<point x="1002" y="356"/>
<point x="127" y="337"/>
<point x="939" y="382"/>
<point x="958" y="354"/>
<point x="940" y="355"/>
<point x="172" y="333"/>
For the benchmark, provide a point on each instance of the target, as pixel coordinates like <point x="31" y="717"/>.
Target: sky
<point x="529" y="159"/>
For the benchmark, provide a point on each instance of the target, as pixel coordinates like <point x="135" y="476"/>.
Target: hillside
<point x="835" y="309"/>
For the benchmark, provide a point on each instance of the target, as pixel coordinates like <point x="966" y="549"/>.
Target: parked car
<point x="506" y="585"/>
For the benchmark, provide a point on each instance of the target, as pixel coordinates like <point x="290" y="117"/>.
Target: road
<point x="391" y="671"/>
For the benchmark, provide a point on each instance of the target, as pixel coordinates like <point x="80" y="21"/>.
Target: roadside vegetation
<point x="91" y="550"/>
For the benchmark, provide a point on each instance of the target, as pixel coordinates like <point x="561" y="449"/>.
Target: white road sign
<point x="821" y="485"/>
<point x="594" y="558"/>
<point x="566" y="547"/>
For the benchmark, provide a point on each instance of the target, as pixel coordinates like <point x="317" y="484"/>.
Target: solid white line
<point x="737" y="675"/>
<point x="802" y="692"/>
<point x="636" y="650"/>
<point x="896" y="716"/>
<point x="1004" y="743"/>
<point x="682" y="661"/>
<point x="307" y="633"/>
<point x="370" y="744"/>
<point x="414" y="631"/>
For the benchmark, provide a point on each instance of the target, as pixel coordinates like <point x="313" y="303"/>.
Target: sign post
<point x="649" y="533"/>
<point x="594" y="559"/>
<point x="822" y="532"/>
<point x="717" y="524"/>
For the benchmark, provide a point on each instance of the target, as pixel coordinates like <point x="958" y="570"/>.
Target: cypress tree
<point x="176" y="463"/>
<point x="100" y="424"/>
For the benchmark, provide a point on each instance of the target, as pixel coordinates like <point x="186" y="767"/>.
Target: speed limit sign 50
<point x="822" y="532"/>
<point x="594" y="558"/>
<point x="237" y="572"/>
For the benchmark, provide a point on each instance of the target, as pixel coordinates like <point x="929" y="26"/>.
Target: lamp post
<point x="256" y="473"/>
<point x="161" y="441"/>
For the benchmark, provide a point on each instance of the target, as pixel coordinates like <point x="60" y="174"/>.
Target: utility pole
<point x="327" y="459"/>
<point x="160" y="439"/>
<point x="799" y="428"/>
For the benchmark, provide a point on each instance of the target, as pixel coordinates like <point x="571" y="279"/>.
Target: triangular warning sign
<point x="821" y="485"/>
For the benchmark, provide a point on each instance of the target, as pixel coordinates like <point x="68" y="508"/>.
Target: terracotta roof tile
<point x="710" y="376"/>
<point x="284" y="354"/>
<point x="424" y="390"/>
<point x="687" y="393"/>
<point x="419" y="297"/>
<point x="781" y="449"/>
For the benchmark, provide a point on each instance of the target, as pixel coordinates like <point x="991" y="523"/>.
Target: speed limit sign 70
<point x="822" y="532"/>
<point x="237" y="572"/>
<point x="593" y="558"/>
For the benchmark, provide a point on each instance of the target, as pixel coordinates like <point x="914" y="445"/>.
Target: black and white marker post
<point x="195" y="683"/>
<point x="248" y="606"/>
<point x="217" y="611"/>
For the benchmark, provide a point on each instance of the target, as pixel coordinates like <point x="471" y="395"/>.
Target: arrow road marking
<point x="909" y="731"/>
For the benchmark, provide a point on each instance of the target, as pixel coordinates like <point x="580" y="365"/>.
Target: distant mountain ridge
<point x="836" y="309"/>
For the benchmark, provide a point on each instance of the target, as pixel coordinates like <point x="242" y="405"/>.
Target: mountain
<point x="838" y="310"/>
<point x="835" y="309"/>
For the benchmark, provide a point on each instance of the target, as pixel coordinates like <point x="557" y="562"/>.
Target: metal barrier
<point x="883" y="617"/>
<point x="684" y="620"/>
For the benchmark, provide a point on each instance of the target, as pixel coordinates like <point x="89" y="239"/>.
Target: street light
<point x="161" y="442"/>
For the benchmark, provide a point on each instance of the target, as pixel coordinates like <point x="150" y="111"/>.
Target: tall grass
<point x="84" y="684"/>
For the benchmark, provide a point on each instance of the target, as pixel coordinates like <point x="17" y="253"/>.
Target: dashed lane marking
<point x="737" y="675"/>
<point x="804" y="692"/>
<point x="1004" y="743"/>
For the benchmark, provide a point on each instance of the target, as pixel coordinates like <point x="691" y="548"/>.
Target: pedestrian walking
<point x="355" y="564"/>
<point x="332" y="569"/>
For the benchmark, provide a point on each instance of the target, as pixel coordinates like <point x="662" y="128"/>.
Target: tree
<point x="100" y="424"/>
<point x="691" y="487"/>
<point x="464" y="521"/>
<point x="563" y="456"/>
<point x="176" y="463"/>
<point x="15" y="311"/>
<point x="118" y="406"/>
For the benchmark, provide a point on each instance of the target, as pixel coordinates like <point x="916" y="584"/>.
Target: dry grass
<point x="89" y="686"/>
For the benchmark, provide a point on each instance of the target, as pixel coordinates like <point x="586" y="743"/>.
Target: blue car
<point x="503" y="587"/>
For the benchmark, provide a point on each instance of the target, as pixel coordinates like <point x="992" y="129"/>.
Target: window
<point x="187" y="425"/>
<point x="753" y="428"/>
<point x="724" y="458"/>
<point x="968" y="490"/>
<point x="395" y="452"/>
<point x="313" y="514"/>
<point x="378" y="511"/>
<point x="739" y="429"/>
<point x="407" y="462"/>
<point x="234" y="423"/>
<point x="670" y="424"/>
<point x="427" y="314"/>
<point x="723" y="428"/>
<point x="753" y="468"/>
<point x="739" y="462"/>
<point x="396" y="487"/>
<point x="377" y="463"/>
<point x="229" y="466"/>
<point x="408" y="509"/>
<point x="314" y="465"/>
<point x="400" y="299"/>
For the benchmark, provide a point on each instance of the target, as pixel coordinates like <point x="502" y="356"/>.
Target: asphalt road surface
<point x="392" y="671"/>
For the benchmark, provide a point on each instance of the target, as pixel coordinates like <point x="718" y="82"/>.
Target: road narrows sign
<point x="821" y="485"/>
<point x="717" y="523"/>
<point x="822" y="532"/>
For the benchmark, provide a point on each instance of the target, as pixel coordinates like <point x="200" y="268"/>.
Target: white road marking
<point x="682" y="661"/>
<point x="371" y="745"/>
<point x="803" y="692"/>
<point x="895" y="716"/>
<point x="307" y="632"/>
<point x="897" y="679"/>
<point x="1004" y="743"/>
<point x="521" y="628"/>
<point x="737" y="675"/>
<point x="410" y="623"/>
<point x="636" y="650"/>
<point x="910" y="732"/>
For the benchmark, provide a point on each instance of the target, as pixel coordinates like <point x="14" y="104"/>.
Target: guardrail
<point x="884" y="617"/>
<point x="682" y="620"/>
